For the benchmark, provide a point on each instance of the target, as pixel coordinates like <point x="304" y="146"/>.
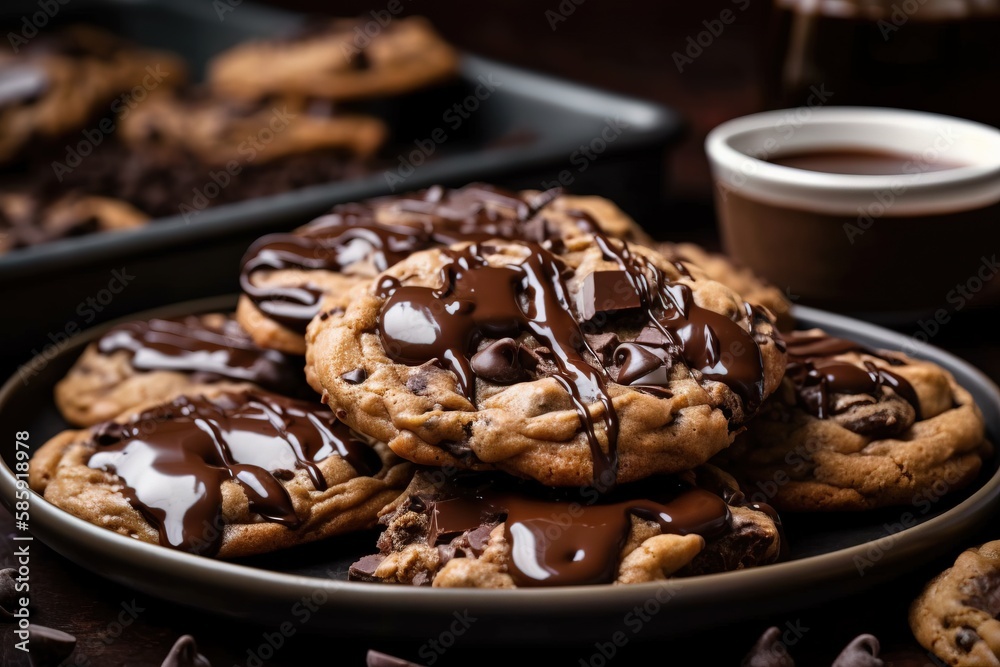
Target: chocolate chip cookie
<point x="65" y="79"/>
<point x="159" y="359"/>
<point x="587" y="359"/>
<point x="466" y="530"/>
<point x="286" y="278"/>
<point x="338" y="59"/>
<point x="955" y="616"/>
<point x="221" y="473"/>
<point x="855" y="429"/>
<point x="28" y="219"/>
<point x="220" y="131"/>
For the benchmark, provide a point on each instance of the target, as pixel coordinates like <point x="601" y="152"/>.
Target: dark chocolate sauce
<point x="529" y="296"/>
<point x="817" y="376"/>
<point x="174" y="459"/>
<point x="189" y="345"/>
<point x="354" y="235"/>
<point x="479" y="301"/>
<point x="859" y="162"/>
<point x="563" y="543"/>
<point x="20" y="83"/>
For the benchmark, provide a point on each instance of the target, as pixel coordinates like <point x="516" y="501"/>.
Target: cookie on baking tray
<point x="327" y="60"/>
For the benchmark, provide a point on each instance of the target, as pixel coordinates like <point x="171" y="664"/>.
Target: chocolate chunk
<point x="480" y="538"/>
<point x="769" y="651"/>
<point x="185" y="654"/>
<point x="603" y="345"/>
<point x="500" y="362"/>
<point x="452" y="517"/>
<point x="48" y="647"/>
<point x="652" y="335"/>
<point x="966" y="638"/>
<point x="641" y="365"/>
<point x="21" y="83"/>
<point x="364" y="569"/>
<point x="376" y="659"/>
<point x="861" y="652"/>
<point x="608" y="293"/>
<point x="357" y="376"/>
<point x="8" y="596"/>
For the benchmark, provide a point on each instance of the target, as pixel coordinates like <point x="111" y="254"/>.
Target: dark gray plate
<point x="832" y="555"/>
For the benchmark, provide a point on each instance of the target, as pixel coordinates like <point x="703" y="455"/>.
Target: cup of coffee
<point x="885" y="213"/>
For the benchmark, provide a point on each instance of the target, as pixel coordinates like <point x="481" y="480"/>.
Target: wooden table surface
<point x="624" y="46"/>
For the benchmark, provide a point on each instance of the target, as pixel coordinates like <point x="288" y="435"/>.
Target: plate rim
<point x="747" y="583"/>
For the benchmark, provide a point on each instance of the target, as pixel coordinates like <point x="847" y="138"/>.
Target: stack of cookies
<point x="519" y="387"/>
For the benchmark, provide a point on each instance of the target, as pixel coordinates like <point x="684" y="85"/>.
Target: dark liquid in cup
<point x="861" y="162"/>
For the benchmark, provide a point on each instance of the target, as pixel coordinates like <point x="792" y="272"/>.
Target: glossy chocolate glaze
<point x="817" y="376"/>
<point x="529" y="296"/>
<point x="354" y="234"/>
<point x="173" y="460"/>
<point x="559" y="542"/>
<point x="189" y="345"/>
<point x="21" y="83"/>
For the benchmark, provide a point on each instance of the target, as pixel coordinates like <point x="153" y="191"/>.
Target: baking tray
<point x="832" y="555"/>
<point x="525" y="134"/>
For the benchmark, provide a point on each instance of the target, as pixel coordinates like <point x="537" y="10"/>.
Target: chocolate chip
<point x="185" y="654"/>
<point x="364" y="569"/>
<point x="8" y="596"/>
<point x="376" y="659"/>
<point x="422" y="578"/>
<point x="341" y="413"/>
<point x="109" y="433"/>
<point x="479" y="538"/>
<point x="357" y="376"/>
<point x="966" y="638"/>
<point x="861" y="652"/>
<point x="48" y="647"/>
<point x="608" y="293"/>
<point x="603" y="345"/>
<point x="641" y="365"/>
<point x="769" y="651"/>
<point x="500" y="362"/>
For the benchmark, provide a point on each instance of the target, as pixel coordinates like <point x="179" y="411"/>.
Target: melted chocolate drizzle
<point x="353" y="235"/>
<point x="174" y="459"/>
<point x="529" y="296"/>
<point x="817" y="376"/>
<point x="189" y="345"/>
<point x="556" y="542"/>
